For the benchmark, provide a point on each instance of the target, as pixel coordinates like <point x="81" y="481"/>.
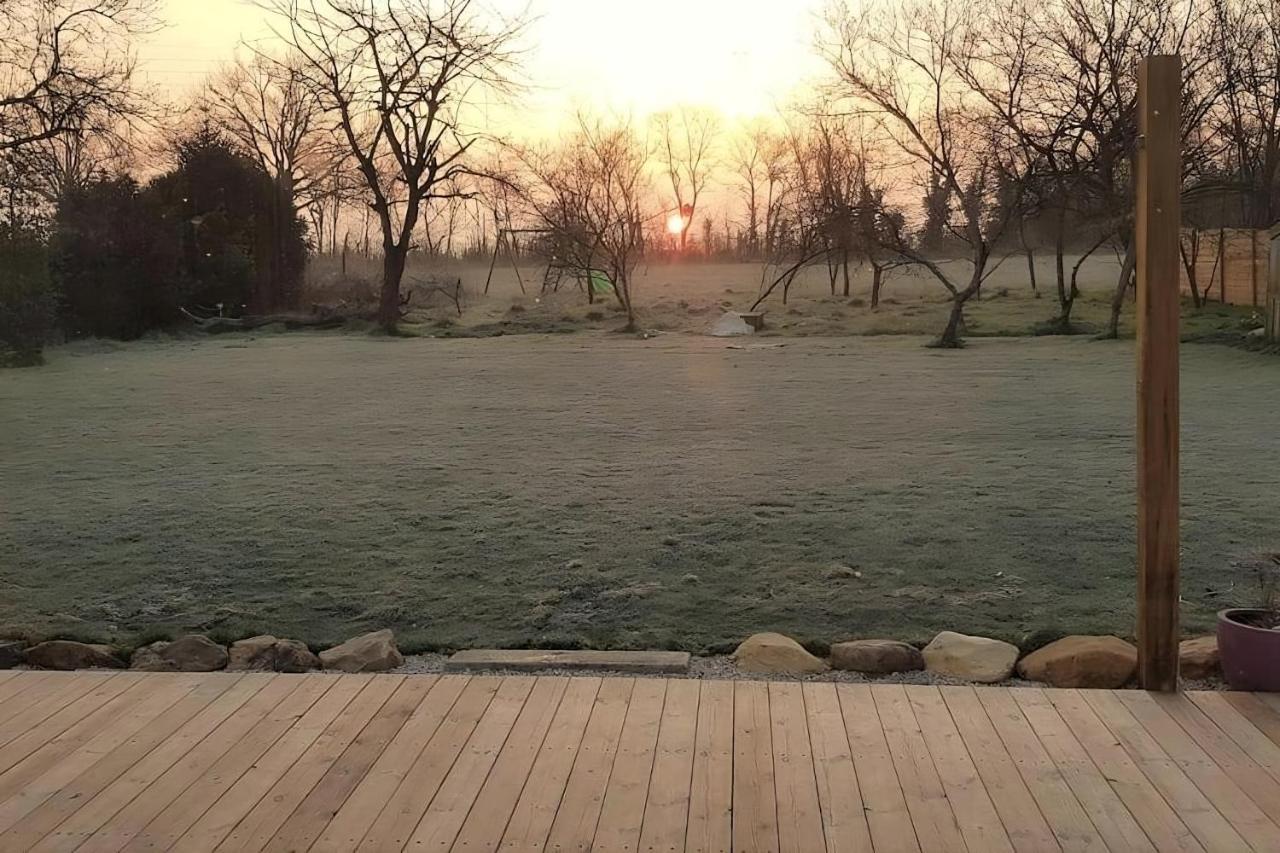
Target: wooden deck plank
<point x="484" y="826"/>
<point x="574" y="826"/>
<point x="400" y="813"/>
<point x="1160" y="822"/>
<point x="888" y="819"/>
<point x="1067" y="819"/>
<point x="535" y="811"/>
<point x="183" y="796"/>
<point x="1233" y="803"/>
<point x="46" y="701"/>
<point x="622" y="812"/>
<point x="795" y="779"/>
<point x="1263" y="716"/>
<point x="308" y="821"/>
<point x="1260" y="748"/>
<point x="216" y="698"/>
<point x="1023" y="821"/>
<point x="710" y="828"/>
<point x="839" y="794"/>
<point x="980" y="824"/>
<point x="49" y="769"/>
<point x="39" y="751"/>
<point x="931" y="814"/>
<point x="193" y="762"/>
<point x="755" y="814"/>
<point x="240" y="798"/>
<point x="1257" y="784"/>
<point x="30" y="685"/>
<point x="1204" y="820"/>
<point x="1107" y="813"/>
<point x="125" y="805"/>
<point x="361" y="807"/>
<point x="666" y="811"/>
<point x="449" y="808"/>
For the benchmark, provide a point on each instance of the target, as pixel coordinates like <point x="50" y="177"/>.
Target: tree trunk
<point x="845" y="263"/>
<point x="1031" y="271"/>
<point x="393" y="262"/>
<point x="1127" y="270"/>
<point x="877" y="281"/>
<point x="950" y="338"/>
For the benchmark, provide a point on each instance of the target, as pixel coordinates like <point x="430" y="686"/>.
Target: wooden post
<point x="1272" y="330"/>
<point x="1158" y="221"/>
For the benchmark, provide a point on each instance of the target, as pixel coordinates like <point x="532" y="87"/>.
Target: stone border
<point x="1106" y="662"/>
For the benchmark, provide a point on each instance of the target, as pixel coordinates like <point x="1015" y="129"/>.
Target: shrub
<point x="26" y="299"/>
<point x="114" y="257"/>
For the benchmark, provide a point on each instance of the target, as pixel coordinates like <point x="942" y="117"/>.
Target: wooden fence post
<point x="1158" y="222"/>
<point x="1273" y="288"/>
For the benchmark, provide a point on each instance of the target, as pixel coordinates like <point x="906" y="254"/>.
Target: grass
<point x="598" y="490"/>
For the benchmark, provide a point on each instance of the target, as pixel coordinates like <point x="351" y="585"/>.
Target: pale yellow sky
<point x="740" y="57"/>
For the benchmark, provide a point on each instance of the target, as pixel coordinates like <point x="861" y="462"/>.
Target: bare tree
<point x="399" y="76"/>
<point x="686" y="143"/>
<point x="267" y="106"/>
<point x="758" y="157"/>
<point x="901" y="65"/>
<point x="1246" y="59"/>
<point x="66" y="66"/>
<point x="588" y="191"/>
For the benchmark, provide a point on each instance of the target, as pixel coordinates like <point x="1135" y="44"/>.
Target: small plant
<point x="1249" y="637"/>
<point x="1266" y="572"/>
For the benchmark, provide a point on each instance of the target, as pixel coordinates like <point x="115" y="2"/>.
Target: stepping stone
<point x="536" y="660"/>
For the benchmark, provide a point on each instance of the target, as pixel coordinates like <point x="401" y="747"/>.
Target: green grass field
<point x="601" y="490"/>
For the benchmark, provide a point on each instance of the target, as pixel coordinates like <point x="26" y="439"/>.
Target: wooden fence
<point x="1231" y="264"/>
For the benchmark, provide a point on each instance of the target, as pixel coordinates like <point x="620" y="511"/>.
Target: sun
<point x="675" y="224"/>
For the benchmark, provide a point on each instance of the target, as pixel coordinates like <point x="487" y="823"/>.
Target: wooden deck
<point x="126" y="761"/>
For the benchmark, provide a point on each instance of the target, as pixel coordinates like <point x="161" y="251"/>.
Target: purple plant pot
<point x="1250" y="655"/>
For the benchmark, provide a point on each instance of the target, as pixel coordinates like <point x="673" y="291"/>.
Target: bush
<point x="26" y="299"/>
<point x="114" y="257"/>
<point x="205" y="235"/>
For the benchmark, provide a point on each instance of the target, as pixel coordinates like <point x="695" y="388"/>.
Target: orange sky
<point x="741" y="57"/>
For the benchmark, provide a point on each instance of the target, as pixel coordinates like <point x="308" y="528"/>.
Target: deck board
<point x="201" y="762"/>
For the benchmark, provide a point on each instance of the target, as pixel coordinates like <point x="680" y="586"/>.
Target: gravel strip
<point x="722" y="667"/>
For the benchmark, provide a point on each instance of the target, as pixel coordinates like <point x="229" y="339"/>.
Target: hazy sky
<point x="742" y="57"/>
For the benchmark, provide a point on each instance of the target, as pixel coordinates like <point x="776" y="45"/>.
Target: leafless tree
<point x="686" y="151"/>
<point x="399" y="77"/>
<point x="588" y="192"/>
<point x="900" y="65"/>
<point x="1246" y="58"/>
<point x="267" y="106"/>
<point x="67" y="67"/>
<point x="758" y="156"/>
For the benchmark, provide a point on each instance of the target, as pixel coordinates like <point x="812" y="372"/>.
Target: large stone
<point x="67" y="654"/>
<point x="271" y="654"/>
<point x="1079" y="661"/>
<point x="192" y="653"/>
<point x="1198" y="658"/>
<point x="978" y="659"/>
<point x="374" y="652"/>
<point x="775" y="653"/>
<point x="148" y="658"/>
<point x="294" y="656"/>
<point x="876" y="657"/>
<point x="12" y="653"/>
